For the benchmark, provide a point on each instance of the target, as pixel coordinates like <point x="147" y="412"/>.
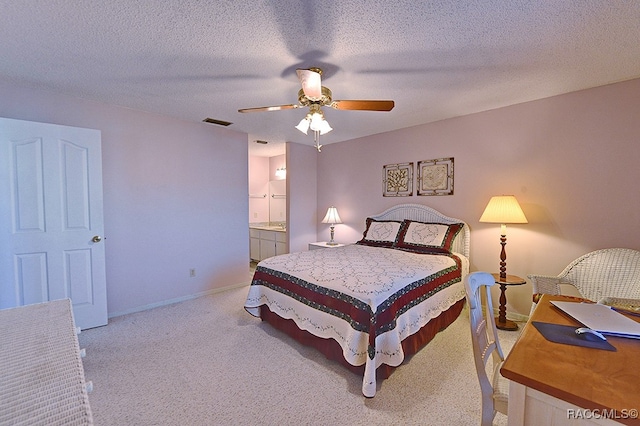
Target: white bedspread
<point x="376" y="277"/>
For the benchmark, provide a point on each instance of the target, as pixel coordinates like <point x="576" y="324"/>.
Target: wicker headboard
<point x="422" y="213"/>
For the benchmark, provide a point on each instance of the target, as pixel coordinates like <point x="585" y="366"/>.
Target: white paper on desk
<point x="601" y="318"/>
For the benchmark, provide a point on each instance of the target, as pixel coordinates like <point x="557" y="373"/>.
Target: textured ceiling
<point x="437" y="59"/>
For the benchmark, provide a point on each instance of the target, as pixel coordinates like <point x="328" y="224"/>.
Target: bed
<point x="372" y="304"/>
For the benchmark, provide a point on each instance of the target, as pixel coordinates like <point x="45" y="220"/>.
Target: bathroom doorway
<point x="267" y="196"/>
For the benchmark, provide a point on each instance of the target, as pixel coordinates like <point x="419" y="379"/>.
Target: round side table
<point x="501" y="321"/>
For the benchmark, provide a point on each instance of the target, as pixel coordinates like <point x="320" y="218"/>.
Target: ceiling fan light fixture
<point x="303" y="126"/>
<point x="316" y="121"/>
<point x="311" y="83"/>
<point x="325" y="127"/>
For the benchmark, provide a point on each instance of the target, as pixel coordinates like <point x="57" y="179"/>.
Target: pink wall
<point x="175" y="197"/>
<point x="571" y="161"/>
<point x="175" y="191"/>
<point x="302" y="165"/>
<point x="276" y="162"/>
<point x="258" y="187"/>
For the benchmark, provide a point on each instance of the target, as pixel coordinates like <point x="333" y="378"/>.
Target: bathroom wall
<point x="262" y="171"/>
<point x="258" y="189"/>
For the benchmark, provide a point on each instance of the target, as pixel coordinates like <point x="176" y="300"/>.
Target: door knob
<point x="96" y="239"/>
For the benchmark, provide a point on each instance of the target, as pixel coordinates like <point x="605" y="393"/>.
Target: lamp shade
<point x="503" y="209"/>
<point x="303" y="126"/>
<point x="332" y="216"/>
<point x="316" y="121"/>
<point x="325" y="127"/>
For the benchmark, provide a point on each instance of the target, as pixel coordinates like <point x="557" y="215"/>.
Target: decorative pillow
<point x="420" y="237"/>
<point x="380" y="233"/>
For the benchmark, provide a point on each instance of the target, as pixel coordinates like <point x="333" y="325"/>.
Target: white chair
<point x="610" y="272"/>
<point x="484" y="337"/>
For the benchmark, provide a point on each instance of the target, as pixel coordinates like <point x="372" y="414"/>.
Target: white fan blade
<point x="269" y="108"/>
<point x="311" y="84"/>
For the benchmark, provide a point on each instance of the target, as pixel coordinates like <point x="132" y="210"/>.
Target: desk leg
<point x="517" y="399"/>
<point x="502" y="322"/>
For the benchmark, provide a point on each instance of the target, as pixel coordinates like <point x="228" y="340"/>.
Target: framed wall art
<point x="397" y="180"/>
<point x="435" y="177"/>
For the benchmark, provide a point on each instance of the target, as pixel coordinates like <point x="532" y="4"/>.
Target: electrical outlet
<point x="255" y="215"/>
<point x="192" y="272"/>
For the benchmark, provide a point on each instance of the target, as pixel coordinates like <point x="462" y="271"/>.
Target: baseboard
<point x="510" y="315"/>
<point x="514" y="316"/>
<point x="176" y="300"/>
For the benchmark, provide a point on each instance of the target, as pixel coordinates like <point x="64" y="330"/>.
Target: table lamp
<point x="503" y="209"/>
<point x="332" y="217"/>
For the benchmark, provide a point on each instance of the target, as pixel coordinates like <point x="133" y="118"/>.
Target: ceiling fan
<point x="314" y="96"/>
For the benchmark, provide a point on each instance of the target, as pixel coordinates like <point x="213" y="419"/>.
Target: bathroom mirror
<point x="278" y="201"/>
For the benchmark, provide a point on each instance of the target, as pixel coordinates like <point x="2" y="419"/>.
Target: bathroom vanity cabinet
<point x="267" y="242"/>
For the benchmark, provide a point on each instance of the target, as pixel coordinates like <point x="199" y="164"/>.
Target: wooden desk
<point x="552" y="383"/>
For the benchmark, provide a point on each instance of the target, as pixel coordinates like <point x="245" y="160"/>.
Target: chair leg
<point x="488" y="415"/>
<point x="488" y="410"/>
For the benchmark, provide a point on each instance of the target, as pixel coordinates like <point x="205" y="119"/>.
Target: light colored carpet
<point x="206" y="361"/>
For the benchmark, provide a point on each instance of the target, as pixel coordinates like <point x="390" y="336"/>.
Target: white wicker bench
<point x="605" y="273"/>
<point x="41" y="375"/>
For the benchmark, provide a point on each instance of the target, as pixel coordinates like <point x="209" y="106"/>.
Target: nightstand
<point x="321" y="245"/>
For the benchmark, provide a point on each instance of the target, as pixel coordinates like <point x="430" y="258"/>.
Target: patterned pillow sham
<point x="421" y="237"/>
<point x="380" y="233"/>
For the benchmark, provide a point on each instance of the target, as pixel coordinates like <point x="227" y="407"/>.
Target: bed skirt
<point x="332" y="350"/>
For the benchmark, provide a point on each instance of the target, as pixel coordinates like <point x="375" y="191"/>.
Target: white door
<point x="51" y="219"/>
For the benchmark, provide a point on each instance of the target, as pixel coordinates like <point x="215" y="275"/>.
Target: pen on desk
<point x="625" y="311"/>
